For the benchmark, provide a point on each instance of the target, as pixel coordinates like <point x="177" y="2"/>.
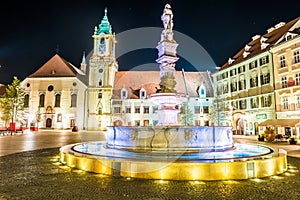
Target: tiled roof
<point x="149" y="80"/>
<point x="56" y="67"/>
<point x="271" y="38"/>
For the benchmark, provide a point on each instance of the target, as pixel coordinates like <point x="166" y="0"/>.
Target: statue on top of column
<point x="167" y="18"/>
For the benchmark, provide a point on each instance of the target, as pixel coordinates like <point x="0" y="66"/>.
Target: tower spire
<point x="83" y="63"/>
<point x="104" y="26"/>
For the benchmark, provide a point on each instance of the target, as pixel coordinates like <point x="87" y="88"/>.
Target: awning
<point x="281" y="122"/>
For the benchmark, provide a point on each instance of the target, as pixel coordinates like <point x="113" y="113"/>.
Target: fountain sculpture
<point x="170" y="150"/>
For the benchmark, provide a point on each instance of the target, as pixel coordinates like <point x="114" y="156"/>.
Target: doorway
<point x="48" y="123"/>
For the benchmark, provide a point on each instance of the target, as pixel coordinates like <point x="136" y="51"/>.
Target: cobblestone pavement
<point x="37" y="174"/>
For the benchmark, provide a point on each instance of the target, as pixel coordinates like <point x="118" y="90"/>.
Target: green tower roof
<point x="104" y="27"/>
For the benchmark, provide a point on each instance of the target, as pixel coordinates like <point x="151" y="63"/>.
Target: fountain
<point x="172" y="151"/>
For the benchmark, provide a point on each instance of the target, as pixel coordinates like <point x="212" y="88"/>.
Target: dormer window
<point x="245" y="54"/>
<point x="264" y="45"/>
<point x="124" y="93"/>
<point x="263" y="39"/>
<point x="289" y="36"/>
<point x="230" y="61"/>
<point x="143" y="93"/>
<point x="247" y="47"/>
<point x="202" y="91"/>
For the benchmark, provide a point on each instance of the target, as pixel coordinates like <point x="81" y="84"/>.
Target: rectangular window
<point x="298" y="102"/>
<point x="26" y="101"/>
<point x="196" y="109"/>
<point x="265" y="79"/>
<point x="254" y="103"/>
<point x="205" y="109"/>
<point x="73" y="100"/>
<point x="146" y="109"/>
<point x="42" y="100"/>
<point x="252" y="65"/>
<point x="254" y="82"/>
<point x="266" y="101"/>
<point x="242" y="84"/>
<point x="117" y="110"/>
<point x="59" y="117"/>
<point x="296" y="57"/>
<point x="297" y="79"/>
<point x="197" y="122"/>
<point x="154" y="109"/>
<point x="264" y="60"/>
<point x="225" y="75"/>
<point x="285" y="103"/>
<point x="137" y="122"/>
<point x="128" y="109"/>
<point x="57" y="100"/>
<point x="284" y="82"/>
<point x="225" y="88"/>
<point x="282" y="61"/>
<point x="241" y="69"/>
<point x="232" y="72"/>
<point x="233" y="87"/>
<point x="137" y="109"/>
<point x="100" y="95"/>
<point x="242" y="104"/>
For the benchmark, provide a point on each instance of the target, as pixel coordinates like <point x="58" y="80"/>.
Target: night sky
<point x="32" y="32"/>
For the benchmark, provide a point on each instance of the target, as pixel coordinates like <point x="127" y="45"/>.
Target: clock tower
<point x="102" y="69"/>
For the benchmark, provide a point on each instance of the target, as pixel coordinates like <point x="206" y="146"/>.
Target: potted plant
<point x="293" y="140"/>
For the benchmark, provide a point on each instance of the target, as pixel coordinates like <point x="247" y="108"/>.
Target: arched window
<point x="201" y="91"/>
<point x="26" y="101"/>
<point x="143" y="93"/>
<point x="124" y="93"/>
<point x="57" y="100"/>
<point x="42" y="100"/>
<point x="73" y="100"/>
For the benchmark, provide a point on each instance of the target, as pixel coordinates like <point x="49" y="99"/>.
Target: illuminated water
<point x="240" y="152"/>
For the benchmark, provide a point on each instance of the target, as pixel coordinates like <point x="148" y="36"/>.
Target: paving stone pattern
<point x="37" y="175"/>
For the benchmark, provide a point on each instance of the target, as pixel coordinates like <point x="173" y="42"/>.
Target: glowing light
<point x="256" y="180"/>
<point x="197" y="182"/>
<point x="277" y="177"/>
<point x="78" y="171"/>
<point x="293" y="170"/>
<point x="57" y="163"/>
<point x="64" y="167"/>
<point x="231" y="182"/>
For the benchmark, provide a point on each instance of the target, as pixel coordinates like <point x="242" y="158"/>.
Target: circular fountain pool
<point x="243" y="162"/>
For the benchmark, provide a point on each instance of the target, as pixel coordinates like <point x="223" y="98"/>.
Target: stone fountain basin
<point x="170" y="138"/>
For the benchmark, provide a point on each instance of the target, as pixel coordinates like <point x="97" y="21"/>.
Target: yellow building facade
<point x="286" y="56"/>
<point x="247" y="87"/>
